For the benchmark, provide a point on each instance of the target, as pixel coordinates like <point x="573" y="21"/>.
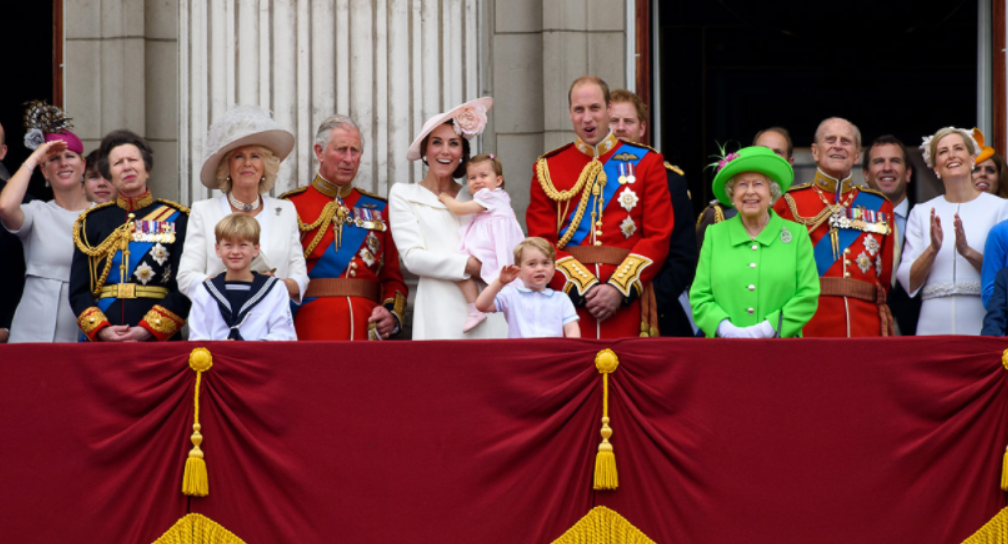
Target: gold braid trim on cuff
<point x="576" y="274"/>
<point x="603" y="526"/>
<point x="91" y="319"/>
<point x="397" y="307"/>
<point x="163" y="320"/>
<point x="198" y="529"/>
<point x="627" y="274"/>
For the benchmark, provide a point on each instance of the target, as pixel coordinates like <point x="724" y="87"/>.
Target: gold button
<point x="91" y="320"/>
<point x="598" y="223"/>
<point x="846" y="262"/>
<point x="622" y="275"/>
<point x="353" y="273"/>
<point x="750" y="310"/>
<point x="353" y="265"/>
<point x="598" y="233"/>
<point x="752" y="287"/>
<point x="598" y="243"/>
<point x="157" y="321"/>
<point x="752" y="265"/>
<point x="846" y="274"/>
<point x="846" y="251"/>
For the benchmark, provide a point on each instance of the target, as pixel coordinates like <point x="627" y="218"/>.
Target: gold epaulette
<point x="674" y="168"/>
<point x="555" y="151"/>
<point x="370" y="194"/>
<point x="638" y="144"/>
<point x="293" y="192"/>
<point x="180" y="207"/>
<point x="799" y="186"/>
<point x="874" y="192"/>
<point x="718" y="214"/>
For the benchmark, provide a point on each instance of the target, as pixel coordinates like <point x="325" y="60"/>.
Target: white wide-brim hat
<point x="470" y="119"/>
<point x="238" y="127"/>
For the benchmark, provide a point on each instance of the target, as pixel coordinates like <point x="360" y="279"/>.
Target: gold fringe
<point x="605" y="460"/>
<point x="994" y="531"/>
<point x="195" y="481"/>
<point x="1004" y="471"/>
<point x="603" y="526"/>
<point x="197" y="529"/>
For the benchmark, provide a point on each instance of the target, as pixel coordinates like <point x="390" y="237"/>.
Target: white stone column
<point x="390" y="64"/>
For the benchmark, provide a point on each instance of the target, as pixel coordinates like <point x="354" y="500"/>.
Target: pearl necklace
<point x="239" y="205"/>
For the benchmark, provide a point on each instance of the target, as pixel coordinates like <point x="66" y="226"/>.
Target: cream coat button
<point x="755" y="247"/>
<point x="752" y="287"/>
<point x="752" y="265"/>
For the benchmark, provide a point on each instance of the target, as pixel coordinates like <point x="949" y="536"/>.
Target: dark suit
<point x="905" y="310"/>
<point x="677" y="272"/>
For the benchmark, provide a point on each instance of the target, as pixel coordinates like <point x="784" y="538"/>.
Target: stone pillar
<point x="537" y="48"/>
<point x="121" y="72"/>
<point x="390" y="64"/>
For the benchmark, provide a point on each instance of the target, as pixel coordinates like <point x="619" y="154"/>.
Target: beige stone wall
<point x="536" y="48"/>
<point x="122" y="72"/>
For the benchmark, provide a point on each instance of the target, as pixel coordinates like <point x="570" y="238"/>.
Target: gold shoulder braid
<point x="180" y="207"/>
<point x="293" y="192"/>
<point x="593" y="171"/>
<point x="811" y="223"/>
<point x="118" y="240"/>
<point x="332" y="210"/>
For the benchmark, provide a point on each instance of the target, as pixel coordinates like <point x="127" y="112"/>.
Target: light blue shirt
<point x="534" y="314"/>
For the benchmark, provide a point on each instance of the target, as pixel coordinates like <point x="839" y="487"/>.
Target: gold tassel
<point x="1004" y="471"/>
<point x="605" y="460"/>
<point x="195" y="481"/>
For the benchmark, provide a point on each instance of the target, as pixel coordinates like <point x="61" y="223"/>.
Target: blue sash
<point x="334" y="262"/>
<point x="611" y="168"/>
<point x="823" y="250"/>
<point x="137" y="251"/>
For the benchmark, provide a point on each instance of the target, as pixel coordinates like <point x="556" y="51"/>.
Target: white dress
<point x="279" y="243"/>
<point x="951" y="293"/>
<point x="44" y="314"/>
<point x="427" y="236"/>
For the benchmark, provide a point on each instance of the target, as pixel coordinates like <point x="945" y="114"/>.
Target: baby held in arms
<point x="492" y="234"/>
<point x="532" y="309"/>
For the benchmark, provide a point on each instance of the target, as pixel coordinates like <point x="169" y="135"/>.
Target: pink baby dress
<point x="492" y="235"/>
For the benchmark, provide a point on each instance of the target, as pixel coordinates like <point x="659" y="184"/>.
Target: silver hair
<point x="857" y="131"/>
<point x="336" y="121"/>
<point x="775" y="190"/>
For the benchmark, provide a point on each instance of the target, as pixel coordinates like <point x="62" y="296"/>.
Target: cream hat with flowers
<point x="238" y="127"/>
<point x="469" y="121"/>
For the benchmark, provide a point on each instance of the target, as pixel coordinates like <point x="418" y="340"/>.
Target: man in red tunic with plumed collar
<point x="852" y="234"/>
<point x="356" y="290"/>
<point x="604" y="203"/>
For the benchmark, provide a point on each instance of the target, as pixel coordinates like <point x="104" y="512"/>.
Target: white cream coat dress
<point x="279" y="241"/>
<point x="427" y="236"/>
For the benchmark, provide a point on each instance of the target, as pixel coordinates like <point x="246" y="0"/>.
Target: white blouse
<point x="427" y="236"/>
<point x="279" y="242"/>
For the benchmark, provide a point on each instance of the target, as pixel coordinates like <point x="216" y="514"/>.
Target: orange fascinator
<point x="985" y="151"/>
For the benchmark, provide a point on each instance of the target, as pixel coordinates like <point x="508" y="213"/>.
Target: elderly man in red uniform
<point x="356" y="290"/>
<point x="852" y="231"/>
<point x="604" y="204"/>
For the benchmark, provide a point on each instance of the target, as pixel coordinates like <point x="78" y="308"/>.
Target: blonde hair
<point x="932" y="143"/>
<point x="237" y="226"/>
<point x="271" y="165"/>
<point x="534" y="242"/>
<point x="486" y="157"/>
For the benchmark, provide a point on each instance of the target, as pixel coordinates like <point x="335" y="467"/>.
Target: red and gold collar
<point x="135" y="203"/>
<point x="606" y="145"/>
<point x="829" y="183"/>
<point x="330" y="189"/>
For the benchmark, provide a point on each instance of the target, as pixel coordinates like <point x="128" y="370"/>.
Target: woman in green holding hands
<point x="756" y="277"/>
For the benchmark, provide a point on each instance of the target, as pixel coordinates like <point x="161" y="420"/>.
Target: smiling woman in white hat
<point x="243" y="152"/>
<point x="427" y="234"/>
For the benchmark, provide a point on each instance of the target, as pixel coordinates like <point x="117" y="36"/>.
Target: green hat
<point x="751" y="159"/>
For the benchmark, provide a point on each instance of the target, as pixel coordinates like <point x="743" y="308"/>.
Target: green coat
<point x="749" y="281"/>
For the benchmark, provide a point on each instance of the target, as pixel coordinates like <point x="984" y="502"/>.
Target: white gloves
<point x="763" y="330"/>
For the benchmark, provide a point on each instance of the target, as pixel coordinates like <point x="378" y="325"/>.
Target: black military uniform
<point x="143" y="238"/>
<point x="676" y="273"/>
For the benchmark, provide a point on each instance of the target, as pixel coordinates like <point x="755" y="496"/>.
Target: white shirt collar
<point x="545" y="292"/>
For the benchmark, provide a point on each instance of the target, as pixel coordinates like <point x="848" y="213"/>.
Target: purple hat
<point x="45" y="123"/>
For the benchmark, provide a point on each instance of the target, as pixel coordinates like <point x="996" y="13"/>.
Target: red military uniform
<point x="853" y="240"/>
<point x="608" y="212"/>
<point x="352" y="262"/>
